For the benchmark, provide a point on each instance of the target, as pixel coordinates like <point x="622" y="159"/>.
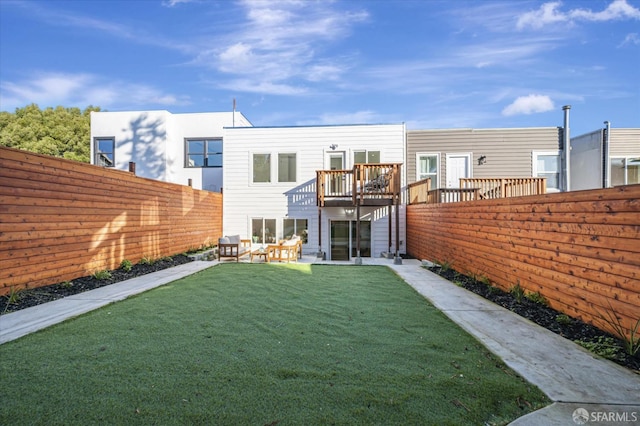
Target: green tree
<point x="60" y="132"/>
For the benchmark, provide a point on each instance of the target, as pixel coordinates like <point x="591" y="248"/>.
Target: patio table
<point x="260" y="253"/>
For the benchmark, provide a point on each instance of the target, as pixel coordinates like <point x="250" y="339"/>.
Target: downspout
<point x="320" y="255"/>
<point x="605" y="148"/>
<point x="358" y="258"/>
<point x="567" y="148"/>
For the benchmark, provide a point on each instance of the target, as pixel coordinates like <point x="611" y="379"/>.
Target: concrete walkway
<point x="577" y="381"/>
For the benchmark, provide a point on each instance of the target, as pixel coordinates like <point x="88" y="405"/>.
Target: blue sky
<point x="428" y="63"/>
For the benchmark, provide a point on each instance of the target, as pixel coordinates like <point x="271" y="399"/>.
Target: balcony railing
<point x="506" y="187"/>
<point x="418" y="191"/>
<point x="475" y="189"/>
<point x="378" y="181"/>
<point x="451" y="195"/>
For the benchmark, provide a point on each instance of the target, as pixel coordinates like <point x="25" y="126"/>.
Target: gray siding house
<point x="446" y="155"/>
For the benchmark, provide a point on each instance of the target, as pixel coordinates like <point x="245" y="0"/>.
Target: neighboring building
<point x="271" y="190"/>
<point x="604" y="158"/>
<point x="168" y="147"/>
<point x="446" y="155"/>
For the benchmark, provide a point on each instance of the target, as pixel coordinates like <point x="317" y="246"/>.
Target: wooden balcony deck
<point x="365" y="184"/>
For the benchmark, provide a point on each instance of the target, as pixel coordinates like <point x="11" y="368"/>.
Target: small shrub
<point x="66" y="284"/>
<point x="126" y="265"/>
<point x="605" y="347"/>
<point x="13" y="296"/>
<point x="493" y="289"/>
<point x="147" y="261"/>
<point x="632" y="340"/>
<point x="517" y="292"/>
<point x="102" y="275"/>
<point x="484" y="280"/>
<point x="563" y="319"/>
<point x="536" y="297"/>
<point x="445" y="265"/>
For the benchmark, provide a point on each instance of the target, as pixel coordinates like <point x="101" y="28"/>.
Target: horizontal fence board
<point x="580" y="250"/>
<point x="582" y="256"/>
<point x="61" y="219"/>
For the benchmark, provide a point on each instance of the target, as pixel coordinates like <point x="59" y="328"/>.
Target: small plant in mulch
<point x="12" y="298"/>
<point x="536" y="297"/>
<point x="147" y="261"/>
<point x="517" y="292"/>
<point x="102" y="275"/>
<point x="126" y="265"/>
<point x="630" y="337"/>
<point x="622" y="347"/>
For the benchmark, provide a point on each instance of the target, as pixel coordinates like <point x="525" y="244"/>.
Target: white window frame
<point x="96" y="152"/>
<point x="251" y="171"/>
<point x="297" y="165"/>
<point x="366" y="154"/>
<point x="205" y="153"/>
<point x="625" y="165"/>
<point x="535" y="171"/>
<point x="436" y="183"/>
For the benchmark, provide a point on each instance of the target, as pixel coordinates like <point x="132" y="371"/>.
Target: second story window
<point x="261" y="168"/>
<point x="286" y="167"/>
<point x="104" y="152"/>
<point x="204" y="153"/>
<point x="366" y="157"/>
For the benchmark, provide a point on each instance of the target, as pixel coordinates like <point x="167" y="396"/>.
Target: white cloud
<point x="282" y="42"/>
<point x="529" y="105"/>
<point x="53" y="89"/>
<point x="630" y="39"/>
<point x="172" y="3"/>
<point x="262" y="87"/>
<point x="547" y="14"/>
<point x="618" y="9"/>
<point x="357" y="117"/>
<point x="550" y="13"/>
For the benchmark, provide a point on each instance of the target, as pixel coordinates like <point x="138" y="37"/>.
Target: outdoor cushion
<point x="234" y="239"/>
<point x="223" y="240"/>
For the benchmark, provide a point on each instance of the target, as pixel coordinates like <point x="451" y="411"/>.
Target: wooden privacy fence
<point x="61" y="219"/>
<point x="580" y="250"/>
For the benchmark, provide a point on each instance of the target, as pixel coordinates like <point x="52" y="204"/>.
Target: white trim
<point x="534" y="168"/>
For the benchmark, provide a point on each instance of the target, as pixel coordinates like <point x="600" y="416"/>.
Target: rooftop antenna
<point x="234" y="113"/>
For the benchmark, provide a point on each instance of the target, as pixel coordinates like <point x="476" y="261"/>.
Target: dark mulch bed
<point x="589" y="336"/>
<point x="36" y="296"/>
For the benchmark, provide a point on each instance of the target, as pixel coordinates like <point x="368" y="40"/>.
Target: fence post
<point x="132" y="167"/>
<point x="190" y="182"/>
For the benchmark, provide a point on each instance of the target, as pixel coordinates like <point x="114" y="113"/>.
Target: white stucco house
<point x="281" y="181"/>
<point x="177" y="148"/>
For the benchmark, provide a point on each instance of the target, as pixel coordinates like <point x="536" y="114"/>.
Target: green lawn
<point x="260" y="344"/>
